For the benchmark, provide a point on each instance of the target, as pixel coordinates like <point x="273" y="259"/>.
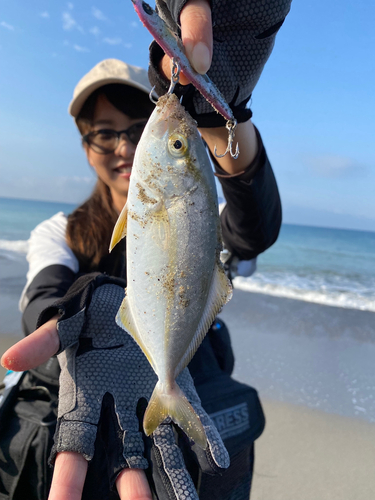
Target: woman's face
<point x="113" y="169"/>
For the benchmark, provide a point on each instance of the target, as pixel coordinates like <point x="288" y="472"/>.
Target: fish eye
<point x="177" y="145"/>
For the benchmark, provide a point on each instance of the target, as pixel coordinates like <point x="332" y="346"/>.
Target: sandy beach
<point x="307" y="454"/>
<point x="313" y="366"/>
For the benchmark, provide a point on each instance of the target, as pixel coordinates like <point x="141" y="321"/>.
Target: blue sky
<point x="314" y="103"/>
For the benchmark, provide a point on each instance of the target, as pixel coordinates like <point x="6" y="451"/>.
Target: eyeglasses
<point x="105" y="141"/>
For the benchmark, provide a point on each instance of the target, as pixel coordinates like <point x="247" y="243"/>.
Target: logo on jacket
<point x="232" y="421"/>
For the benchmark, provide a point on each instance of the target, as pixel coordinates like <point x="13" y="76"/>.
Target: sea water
<point x="329" y="266"/>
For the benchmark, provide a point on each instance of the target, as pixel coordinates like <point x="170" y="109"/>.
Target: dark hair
<point x="90" y="226"/>
<point x="129" y="100"/>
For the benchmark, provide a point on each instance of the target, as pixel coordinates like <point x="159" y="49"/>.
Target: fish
<point x="176" y="283"/>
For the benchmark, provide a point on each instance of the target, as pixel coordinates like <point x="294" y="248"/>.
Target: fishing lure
<point x="173" y="47"/>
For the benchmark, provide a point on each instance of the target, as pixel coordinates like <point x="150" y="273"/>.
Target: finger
<point x="132" y="484"/>
<point x="174" y="472"/>
<point x="33" y="350"/>
<point x="68" y="476"/>
<point x="196" y="34"/>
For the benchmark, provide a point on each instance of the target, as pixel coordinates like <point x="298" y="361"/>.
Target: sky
<point x="314" y="103"/>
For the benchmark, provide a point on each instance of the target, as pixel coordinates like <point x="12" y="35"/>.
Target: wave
<point x="13" y="249"/>
<point x="329" y="297"/>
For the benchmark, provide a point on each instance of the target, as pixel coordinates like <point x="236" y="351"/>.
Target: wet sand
<point x="308" y="354"/>
<point x="313" y="366"/>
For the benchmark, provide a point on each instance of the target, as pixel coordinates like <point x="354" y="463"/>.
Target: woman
<point x="250" y="222"/>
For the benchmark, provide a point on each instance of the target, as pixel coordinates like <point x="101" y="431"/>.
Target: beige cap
<point x="107" y="71"/>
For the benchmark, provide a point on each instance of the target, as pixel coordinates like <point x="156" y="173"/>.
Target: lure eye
<point x="177" y="145"/>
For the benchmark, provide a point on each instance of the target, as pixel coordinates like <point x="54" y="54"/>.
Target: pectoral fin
<point x="119" y="230"/>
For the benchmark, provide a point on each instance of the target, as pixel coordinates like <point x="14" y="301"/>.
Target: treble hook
<point x="175" y="77"/>
<point x="231" y="126"/>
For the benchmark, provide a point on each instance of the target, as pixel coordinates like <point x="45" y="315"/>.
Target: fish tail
<point x="173" y="403"/>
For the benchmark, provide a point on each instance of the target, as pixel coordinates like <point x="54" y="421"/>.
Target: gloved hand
<point x="243" y="38"/>
<point x="100" y="361"/>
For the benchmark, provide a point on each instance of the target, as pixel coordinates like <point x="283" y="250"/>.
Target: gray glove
<point x="243" y="38"/>
<point x="101" y="362"/>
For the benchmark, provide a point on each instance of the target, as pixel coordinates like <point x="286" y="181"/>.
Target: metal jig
<point x="231" y="126"/>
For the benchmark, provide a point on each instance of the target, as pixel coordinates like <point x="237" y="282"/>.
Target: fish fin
<point x="173" y="403"/>
<point x="119" y="230"/>
<point x="219" y="294"/>
<point x="125" y="320"/>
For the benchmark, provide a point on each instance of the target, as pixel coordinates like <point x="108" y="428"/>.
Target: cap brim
<point x="76" y="104"/>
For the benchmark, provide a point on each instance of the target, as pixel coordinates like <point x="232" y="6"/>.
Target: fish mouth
<point x="170" y="116"/>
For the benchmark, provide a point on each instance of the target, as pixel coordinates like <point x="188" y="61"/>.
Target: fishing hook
<point x="175" y="77"/>
<point x="231" y="126"/>
<point x="153" y="96"/>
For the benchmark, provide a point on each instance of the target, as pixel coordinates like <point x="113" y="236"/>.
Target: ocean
<point x="333" y="267"/>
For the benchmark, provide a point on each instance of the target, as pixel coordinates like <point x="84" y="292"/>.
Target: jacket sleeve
<point x="52" y="269"/>
<point x="50" y="284"/>
<point x="251" y="219"/>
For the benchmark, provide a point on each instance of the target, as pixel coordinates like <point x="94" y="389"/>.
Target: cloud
<point x="128" y="45"/>
<point x="44" y="14"/>
<point x="112" y="41"/>
<point x="7" y="26"/>
<point x="98" y="14"/>
<point x="70" y="6"/>
<point x="95" y="31"/>
<point x="78" y="48"/>
<point x="335" y="166"/>
<point x="134" y="24"/>
<point x="69" y="23"/>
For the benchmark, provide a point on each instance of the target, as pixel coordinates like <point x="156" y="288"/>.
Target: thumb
<point x="196" y="34"/>
<point x="33" y="350"/>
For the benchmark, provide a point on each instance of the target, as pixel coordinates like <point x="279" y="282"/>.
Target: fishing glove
<point x="243" y="38"/>
<point x="104" y="374"/>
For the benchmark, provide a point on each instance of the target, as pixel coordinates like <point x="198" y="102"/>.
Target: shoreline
<point x="316" y="356"/>
<point x="313" y="368"/>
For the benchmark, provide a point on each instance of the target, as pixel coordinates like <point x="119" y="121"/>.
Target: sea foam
<point x="11" y="249"/>
<point x="323" y="295"/>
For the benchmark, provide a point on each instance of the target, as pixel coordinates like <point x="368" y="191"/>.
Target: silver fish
<point x="176" y="284"/>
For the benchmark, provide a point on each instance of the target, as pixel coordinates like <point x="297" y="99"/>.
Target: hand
<point x="109" y="361"/>
<point x="196" y="34"/>
<point x="70" y="467"/>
